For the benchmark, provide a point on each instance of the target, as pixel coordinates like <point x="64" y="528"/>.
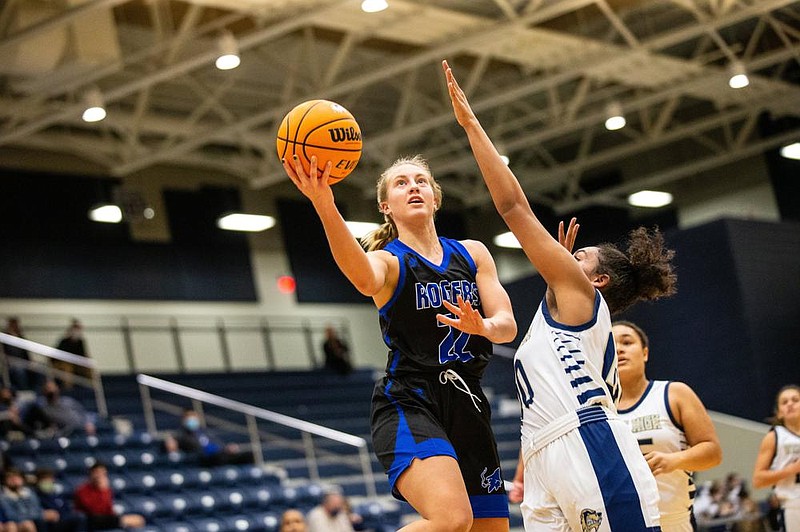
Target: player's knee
<point x="460" y="521"/>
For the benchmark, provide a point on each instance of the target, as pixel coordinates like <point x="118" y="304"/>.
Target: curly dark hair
<point x="643" y="272"/>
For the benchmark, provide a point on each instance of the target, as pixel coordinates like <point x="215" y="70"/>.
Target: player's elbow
<point x="759" y="482"/>
<point x="365" y="286"/>
<point x="715" y="456"/>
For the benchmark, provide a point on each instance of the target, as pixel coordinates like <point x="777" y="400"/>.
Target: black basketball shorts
<point x="420" y="417"/>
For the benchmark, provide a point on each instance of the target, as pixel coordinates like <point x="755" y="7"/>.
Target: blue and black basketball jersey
<point x="418" y="343"/>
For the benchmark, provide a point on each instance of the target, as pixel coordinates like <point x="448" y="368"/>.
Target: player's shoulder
<point x="474" y="247"/>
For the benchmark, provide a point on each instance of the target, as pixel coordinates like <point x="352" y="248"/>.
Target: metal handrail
<point x="252" y="413"/>
<point x="95" y="381"/>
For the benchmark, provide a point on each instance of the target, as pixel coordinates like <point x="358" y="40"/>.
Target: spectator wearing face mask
<point x="331" y="515"/>
<point x="193" y="439"/>
<point x="64" y="414"/>
<point x="57" y="511"/>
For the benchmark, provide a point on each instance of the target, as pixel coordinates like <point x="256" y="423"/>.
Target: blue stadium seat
<point x="197" y="477"/>
<point x="149" y="507"/>
<point x="262" y="497"/>
<point x="78" y="462"/>
<point x="258" y="475"/>
<point x="231" y="499"/>
<point x="266" y="521"/>
<point x="178" y="504"/>
<point x="308" y="494"/>
<point x="176" y="526"/>
<point x="225" y="475"/>
<point x="143" y="481"/>
<point x="209" y="524"/>
<point x="237" y="523"/>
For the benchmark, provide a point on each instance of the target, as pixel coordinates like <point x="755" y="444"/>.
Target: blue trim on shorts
<point x="620" y="497"/>
<point x="488" y="506"/>
<point x="406" y="449"/>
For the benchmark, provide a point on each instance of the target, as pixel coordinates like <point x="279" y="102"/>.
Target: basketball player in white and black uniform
<point x="582" y="466"/>
<point x="440" y="306"/>
<point x="671" y="424"/>
<point x="778" y="460"/>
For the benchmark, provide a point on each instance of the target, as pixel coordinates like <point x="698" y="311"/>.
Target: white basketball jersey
<point x="559" y="368"/>
<point x="787" y="449"/>
<point x="653" y="425"/>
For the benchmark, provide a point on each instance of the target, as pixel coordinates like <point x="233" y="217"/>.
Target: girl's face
<point x="293" y="521"/>
<point x="409" y="193"/>
<point x="589" y="260"/>
<point x="631" y="354"/>
<point x="789" y="406"/>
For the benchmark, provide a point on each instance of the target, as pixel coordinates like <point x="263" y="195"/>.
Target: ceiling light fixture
<point x="361" y="229"/>
<point x="738" y="75"/>
<point x="95" y="109"/>
<point x="106" y="213"/>
<point x="374" y="6"/>
<point x="614" y="118"/>
<point x="791" y="151"/>
<point x="507" y="240"/>
<point x="229" y="52"/>
<point x="650" y="198"/>
<point x="252" y="223"/>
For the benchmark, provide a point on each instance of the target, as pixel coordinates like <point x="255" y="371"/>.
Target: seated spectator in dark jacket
<point x="12" y="425"/>
<point x="192" y="439"/>
<point x="95" y="499"/>
<point x="64" y="414"/>
<point x="19" y="503"/>
<point x="57" y="511"/>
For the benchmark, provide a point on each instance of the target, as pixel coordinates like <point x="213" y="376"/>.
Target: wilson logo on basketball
<point x="344" y="134"/>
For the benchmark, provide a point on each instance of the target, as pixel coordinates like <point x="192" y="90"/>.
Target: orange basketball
<point x="325" y="129"/>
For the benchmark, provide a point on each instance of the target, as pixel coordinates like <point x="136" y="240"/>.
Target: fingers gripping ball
<point x="325" y="129"/>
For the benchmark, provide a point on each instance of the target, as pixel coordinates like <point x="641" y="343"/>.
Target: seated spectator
<point x="707" y="499"/>
<point x="19" y="503"/>
<point x="293" y="520"/>
<point x="330" y="515"/>
<point x="64" y="414"/>
<point x="58" y="513"/>
<point x="192" y="439"/>
<point x="95" y="499"/>
<point x="5" y="524"/>
<point x="12" y="426"/>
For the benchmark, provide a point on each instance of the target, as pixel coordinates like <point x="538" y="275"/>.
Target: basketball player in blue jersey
<point x="671" y="425"/>
<point x="778" y="460"/>
<point x="430" y="419"/>
<point x="582" y="466"/>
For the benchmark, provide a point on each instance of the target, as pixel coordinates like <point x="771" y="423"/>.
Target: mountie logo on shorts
<point x="344" y="134"/>
<point x="430" y="295"/>
<point x="590" y="520"/>
<point x="493" y="482"/>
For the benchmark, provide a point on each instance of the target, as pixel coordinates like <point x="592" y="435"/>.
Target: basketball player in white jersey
<point x="778" y="460"/>
<point x="671" y="425"/>
<point x="582" y="466"/>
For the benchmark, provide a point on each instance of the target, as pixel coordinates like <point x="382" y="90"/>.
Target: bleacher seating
<point x="175" y="493"/>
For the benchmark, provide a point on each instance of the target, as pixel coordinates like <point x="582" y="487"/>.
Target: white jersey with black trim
<point x="654" y="426"/>
<point x="561" y="368"/>
<point x="787" y="450"/>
